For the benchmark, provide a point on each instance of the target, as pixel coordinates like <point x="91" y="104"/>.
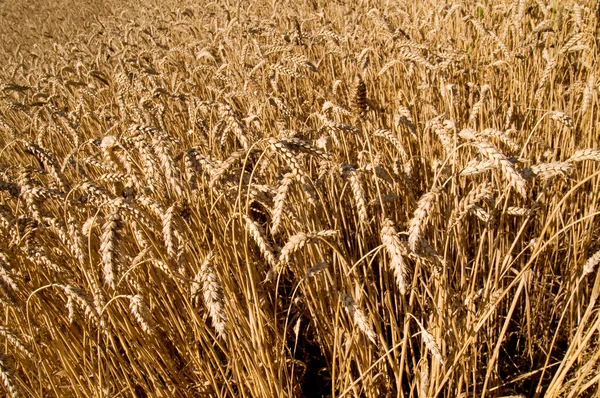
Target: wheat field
<point x="307" y="199"/>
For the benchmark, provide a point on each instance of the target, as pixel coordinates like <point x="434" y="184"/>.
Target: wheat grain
<point x="545" y="77"/>
<point x="518" y="211"/>
<point x="477" y="106"/>
<point x="394" y="141"/>
<point x="502" y="136"/>
<point x="279" y="202"/>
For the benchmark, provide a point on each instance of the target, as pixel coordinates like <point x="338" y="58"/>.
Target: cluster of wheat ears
<point x="381" y="198"/>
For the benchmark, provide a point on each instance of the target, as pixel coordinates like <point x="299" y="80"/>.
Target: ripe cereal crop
<point x="299" y="199"/>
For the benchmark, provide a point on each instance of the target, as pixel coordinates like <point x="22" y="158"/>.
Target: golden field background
<point x="261" y="199"/>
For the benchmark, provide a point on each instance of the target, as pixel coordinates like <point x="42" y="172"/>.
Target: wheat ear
<point x="393" y="246"/>
<point x="358" y="317"/>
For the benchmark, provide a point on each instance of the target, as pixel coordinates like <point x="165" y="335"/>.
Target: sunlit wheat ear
<point x="168" y="224"/>
<point x="207" y="282"/>
<point x="585" y="154"/>
<point x="562" y="118"/>
<point x="234" y="124"/>
<point x="279" y="202"/>
<point x="6" y="376"/>
<point x="410" y="54"/>
<point x="445" y="131"/>
<point x="330" y="108"/>
<point x="225" y="166"/>
<point x="6" y="275"/>
<point x="404" y="116"/>
<point x="477" y="106"/>
<point x="420" y="217"/>
<point x="357" y="190"/>
<point x="140" y="311"/>
<point x="12" y="132"/>
<point x="77" y="239"/>
<point x="358" y="316"/>
<point x="153" y="177"/>
<point x="588" y="92"/>
<point x="591" y="263"/>
<point x="108" y="247"/>
<point x="478" y="194"/>
<point x="76" y="295"/>
<point x="501" y="162"/>
<point x="259" y="236"/>
<point x="298" y="241"/>
<point x="11" y="336"/>
<point x="430" y="342"/>
<point x="545" y="171"/>
<point x="503" y="136"/>
<point x="171" y="172"/>
<point x="545" y="77"/>
<point x="393" y="246"/>
<point x="39" y="256"/>
<point x="107" y="147"/>
<point x="573" y="40"/>
<point x="48" y="159"/>
<point x="388" y="135"/>
<point x="477" y="166"/>
<point x="518" y="211"/>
